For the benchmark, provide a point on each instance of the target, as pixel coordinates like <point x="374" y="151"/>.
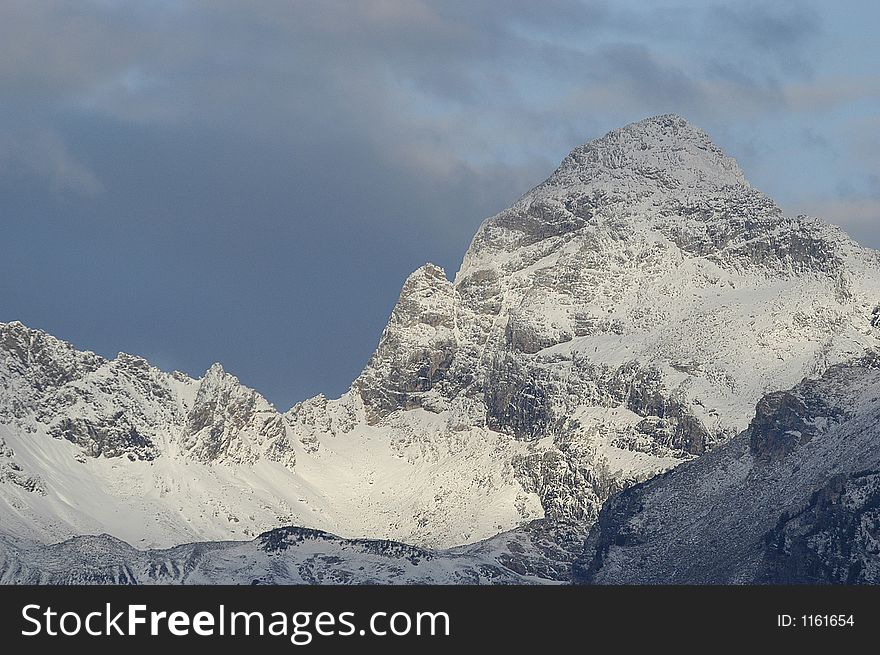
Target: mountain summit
<point x="620" y="319"/>
<point x="664" y="150"/>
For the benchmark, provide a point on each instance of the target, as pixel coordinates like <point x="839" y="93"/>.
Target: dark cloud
<point x="774" y="27"/>
<point x="784" y="30"/>
<point x="646" y="77"/>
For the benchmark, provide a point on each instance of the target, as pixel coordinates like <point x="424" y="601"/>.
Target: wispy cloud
<point x="44" y="155"/>
<point x="783" y="30"/>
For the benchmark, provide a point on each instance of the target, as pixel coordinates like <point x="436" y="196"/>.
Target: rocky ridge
<point x="293" y="555"/>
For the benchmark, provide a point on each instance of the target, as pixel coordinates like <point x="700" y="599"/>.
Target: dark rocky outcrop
<point x="113" y="436"/>
<point x="770" y="506"/>
<point x="834" y="539"/>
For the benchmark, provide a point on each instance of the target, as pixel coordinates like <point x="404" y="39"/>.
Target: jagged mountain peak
<point x="430" y="269"/>
<point x="25" y="338"/>
<point x="41" y="359"/>
<point x="665" y="150"/>
<point x="216" y="372"/>
<point x="659" y="178"/>
<point x="416" y="346"/>
<point x="12" y="325"/>
<point x="424" y="282"/>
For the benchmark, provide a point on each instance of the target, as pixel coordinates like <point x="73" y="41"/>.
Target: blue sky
<point x="195" y="180"/>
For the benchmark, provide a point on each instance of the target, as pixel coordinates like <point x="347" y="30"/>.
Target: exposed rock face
<point x="126" y="408"/>
<point x="834" y="539"/>
<point x="623" y="317"/>
<point x="784" y="420"/>
<point x="319" y="418"/>
<point x="770" y="506"/>
<point x="416" y="348"/>
<point x="12" y="473"/>
<point x="110" y="436"/>
<point x="33" y="366"/>
<point x="230" y="422"/>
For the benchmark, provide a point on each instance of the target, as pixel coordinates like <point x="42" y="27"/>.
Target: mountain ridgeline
<point x="642" y="326"/>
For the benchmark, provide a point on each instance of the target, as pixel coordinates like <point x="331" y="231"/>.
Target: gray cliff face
<point x="785" y="420"/>
<point x="40" y="363"/>
<point x="232" y="423"/>
<point x="793" y="499"/>
<point x="416" y="348"/>
<point x="110" y="408"/>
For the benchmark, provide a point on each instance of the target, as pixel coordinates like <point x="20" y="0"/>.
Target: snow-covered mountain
<point x="537" y="553"/>
<point x="793" y="499"/>
<point x="621" y="318"/>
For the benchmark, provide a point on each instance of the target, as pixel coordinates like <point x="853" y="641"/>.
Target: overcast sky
<point x="251" y="182"/>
